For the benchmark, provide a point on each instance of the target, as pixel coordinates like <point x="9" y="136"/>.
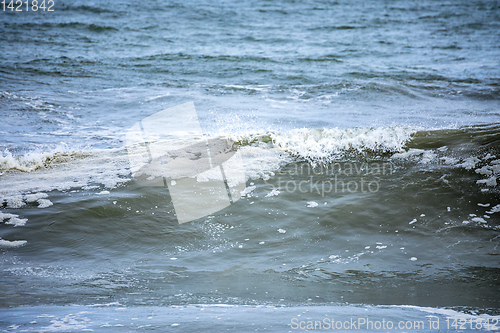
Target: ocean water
<point x="366" y="185"/>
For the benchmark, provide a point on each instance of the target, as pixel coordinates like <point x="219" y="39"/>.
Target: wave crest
<point x="34" y="160"/>
<point x="323" y="145"/>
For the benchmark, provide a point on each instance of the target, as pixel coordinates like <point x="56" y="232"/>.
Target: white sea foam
<point x="323" y="144"/>
<point x="421" y="155"/>
<point x="13" y="219"/>
<point x="35" y="197"/>
<point x="449" y="160"/>
<point x="484" y="166"/>
<point x="409" y="153"/>
<point x="247" y="191"/>
<point x="460" y="316"/>
<point x="494" y="209"/>
<point x="17" y="201"/>
<point x="484" y="171"/>
<point x="478" y="220"/>
<point x="70" y="322"/>
<point x="44" y="203"/>
<point x="469" y="163"/>
<point x="491" y="171"/>
<point x="247" y="87"/>
<point x="34" y="160"/>
<point x="492" y="181"/>
<point x="6" y="243"/>
<point x="100" y="167"/>
<point x="273" y="193"/>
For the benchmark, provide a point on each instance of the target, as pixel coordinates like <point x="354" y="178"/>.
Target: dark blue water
<point x="313" y="96"/>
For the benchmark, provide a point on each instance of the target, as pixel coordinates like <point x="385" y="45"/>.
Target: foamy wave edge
<point x="34" y="160"/>
<point x="324" y="145"/>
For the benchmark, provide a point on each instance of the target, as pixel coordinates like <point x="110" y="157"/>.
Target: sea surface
<point x="367" y="136"/>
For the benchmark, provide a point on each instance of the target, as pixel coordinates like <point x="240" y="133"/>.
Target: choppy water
<point x="369" y="133"/>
